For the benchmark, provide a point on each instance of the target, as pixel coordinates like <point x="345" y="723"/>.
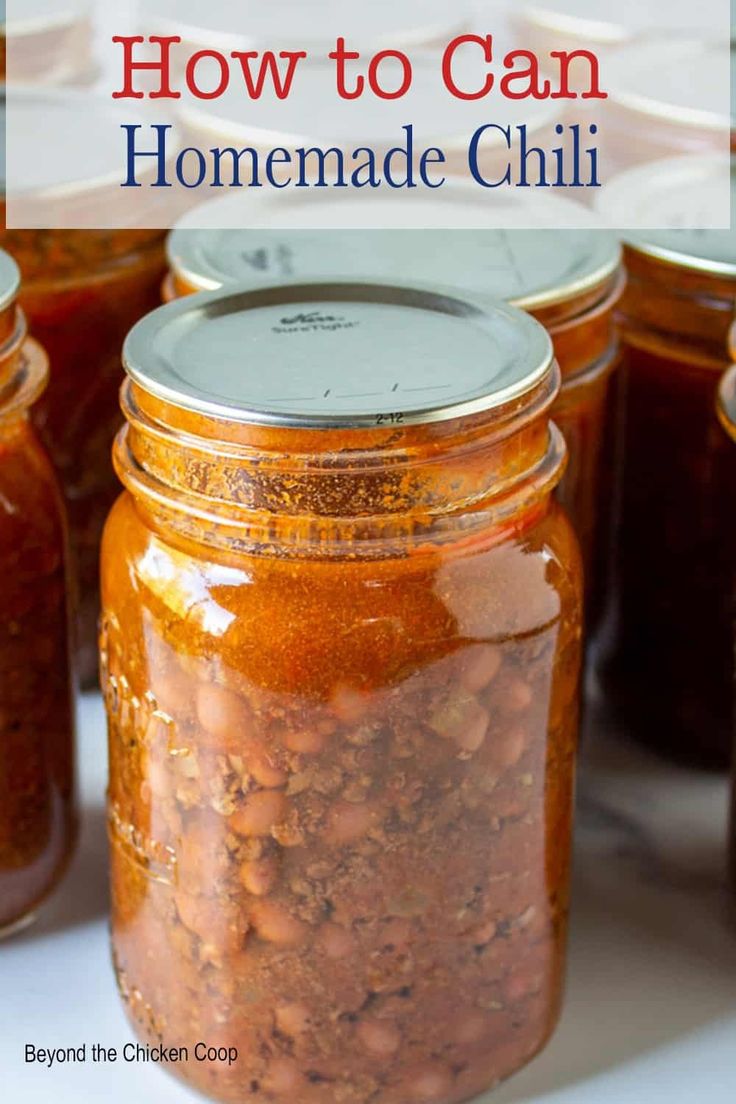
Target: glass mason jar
<point x="667" y="666"/>
<point x="37" y="808"/>
<point x="341" y="651"/>
<point x="82" y="292"/>
<point x="570" y="280"/>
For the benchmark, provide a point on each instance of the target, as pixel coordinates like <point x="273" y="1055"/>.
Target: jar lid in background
<point x="318" y="117"/>
<point x="678" y="80"/>
<point x="681" y="191"/>
<point x="321" y="355"/>
<point x="457" y="205"/>
<point x="529" y="268"/>
<point x="40" y="16"/>
<point x="82" y="167"/>
<point x="294" y="24"/>
<point x="49" y="41"/>
<point x="601" y="23"/>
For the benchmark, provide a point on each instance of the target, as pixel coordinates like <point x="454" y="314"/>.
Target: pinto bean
<point x="381" y="1039"/>
<point x="260" y="812"/>
<point x="276" y="924"/>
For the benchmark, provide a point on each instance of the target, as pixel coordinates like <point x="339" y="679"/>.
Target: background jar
<point x="570" y="280"/>
<point x="82" y="291"/>
<point x="667" y="665"/>
<point x="341" y="656"/>
<point x="37" y="811"/>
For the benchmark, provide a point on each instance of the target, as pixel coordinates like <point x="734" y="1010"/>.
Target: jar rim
<point x="226" y="355"/>
<point x="529" y="269"/>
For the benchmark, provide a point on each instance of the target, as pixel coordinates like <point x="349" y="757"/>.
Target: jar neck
<point x="23" y="368"/>
<point x="341" y="492"/>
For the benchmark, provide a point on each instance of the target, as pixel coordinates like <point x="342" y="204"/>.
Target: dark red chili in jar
<point x="667" y="664"/>
<point x="37" y="807"/>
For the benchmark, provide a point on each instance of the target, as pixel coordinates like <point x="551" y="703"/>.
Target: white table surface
<point x="650" y="1014"/>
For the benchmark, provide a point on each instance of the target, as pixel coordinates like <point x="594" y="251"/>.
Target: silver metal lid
<point x="601" y="22"/>
<point x="677" y="80"/>
<point x="529" y="268"/>
<point x="317" y="116"/>
<point x="287" y="24"/>
<point x="458" y="205"/>
<point x="684" y="192"/>
<point x="336" y="355"/>
<point x="9" y="280"/>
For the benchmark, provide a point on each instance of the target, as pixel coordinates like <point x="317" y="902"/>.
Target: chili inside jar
<point x="82" y="292"/>
<point x="37" y="806"/>
<point x="341" y="655"/>
<point x="667" y="664"/>
<point x="570" y="280"/>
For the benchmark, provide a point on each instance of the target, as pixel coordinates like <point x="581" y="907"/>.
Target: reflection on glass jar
<point x="341" y="650"/>
<point x="667" y="668"/>
<point x="37" y="817"/>
<point x="570" y="280"/>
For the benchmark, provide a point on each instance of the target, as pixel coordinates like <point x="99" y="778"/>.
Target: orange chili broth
<point x="674" y="321"/>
